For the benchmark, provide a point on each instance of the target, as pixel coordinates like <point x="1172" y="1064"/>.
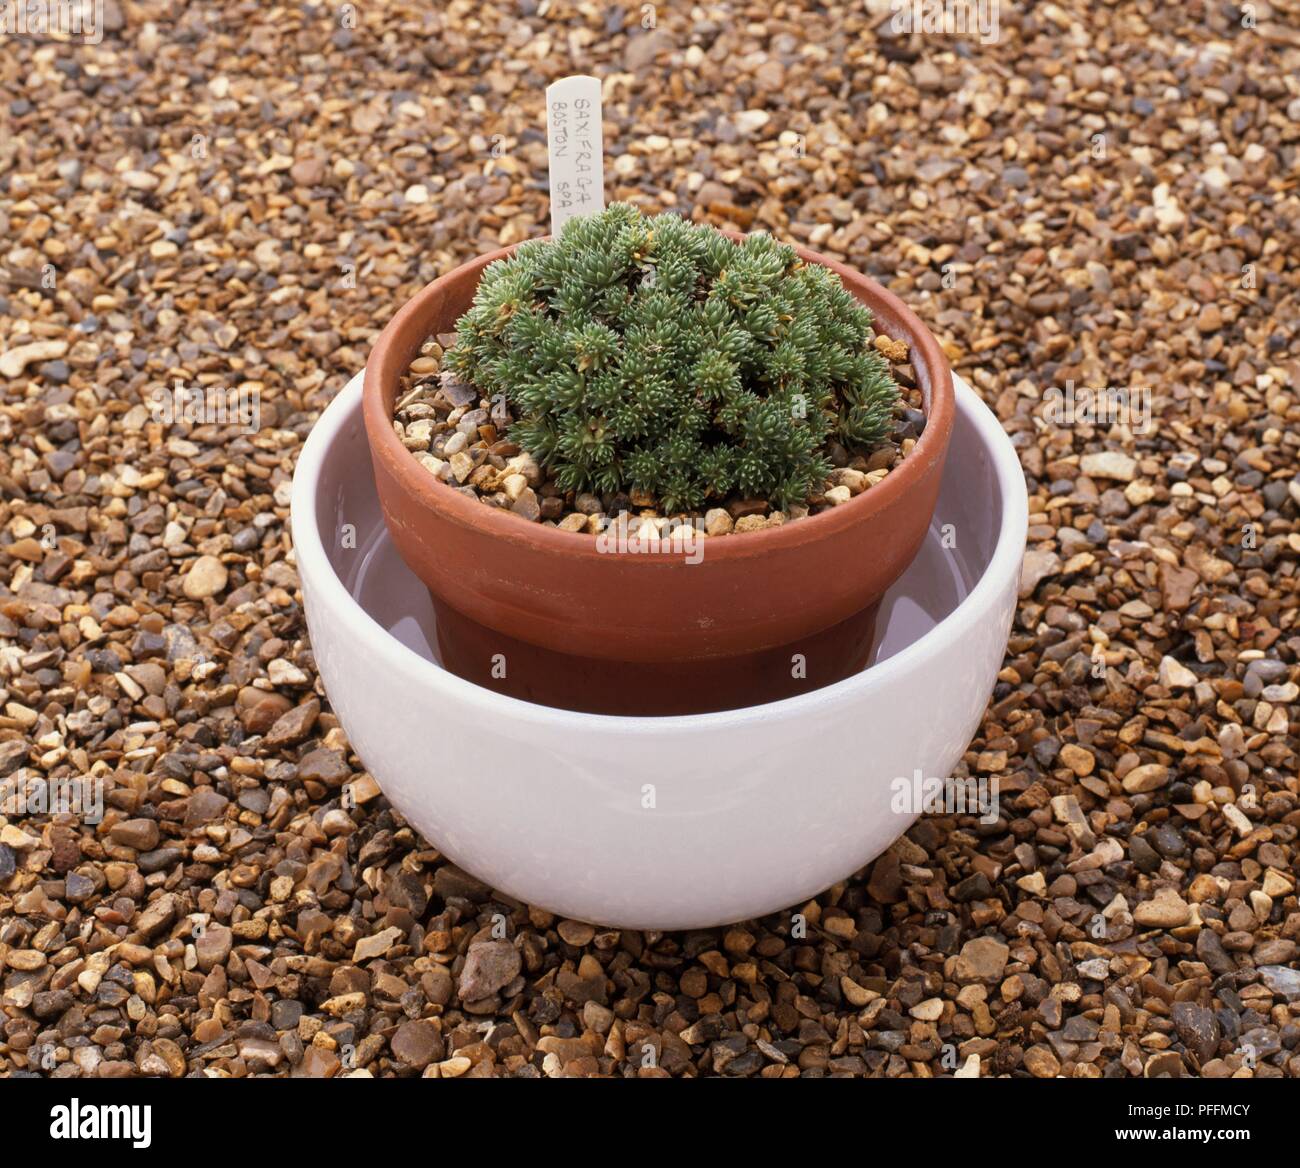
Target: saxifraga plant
<point x="659" y="355"/>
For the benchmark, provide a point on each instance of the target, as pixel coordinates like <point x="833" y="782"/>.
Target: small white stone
<point x="282" y="672"/>
<point x="1109" y="464"/>
<point x="855" y="480"/>
<point x="173" y="535"/>
<point x="461" y="466"/>
<point x="1169" y="215"/>
<point x="1174" y="675"/>
<point x="1139" y="492"/>
<point x="526" y="465"/>
<point x="206" y="578"/>
<point x="1237" y="818"/>
<point x="16" y="360"/>
<point x="717" y="521"/>
<point x="1216" y="178"/>
<point x="931" y="1010"/>
<point x="434" y="465"/>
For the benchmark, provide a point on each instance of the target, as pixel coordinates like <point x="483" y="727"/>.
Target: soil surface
<point x="233" y="204"/>
<point x="463" y="440"/>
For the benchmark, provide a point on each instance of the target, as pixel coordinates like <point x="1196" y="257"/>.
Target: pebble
<point x="207" y="577"/>
<point x="213" y="946"/>
<point x="417" y="1043"/>
<point x="1041" y="1062"/>
<point x="1109" y="464"/>
<point x="982" y="959"/>
<point x="293" y="726"/>
<point x="141" y="834"/>
<point x="78" y="888"/>
<point x="718" y="521"/>
<point x="1174" y="675"/>
<point x="324" y="766"/>
<point x="310" y="171"/>
<point x="1198" y="1029"/>
<point x="576" y="933"/>
<point x="489" y="967"/>
<point x="376" y="945"/>
<point x="1165" y="910"/>
<point x="15" y="360"/>
<point x="1167" y="1065"/>
<point x="646" y="47"/>
<point x="1079" y="760"/>
<point x="1038" y="566"/>
<point x="930" y="1010"/>
<point x="1177" y="586"/>
<point x="526" y="506"/>
<point x="1148" y="777"/>
<point x="1282" y="980"/>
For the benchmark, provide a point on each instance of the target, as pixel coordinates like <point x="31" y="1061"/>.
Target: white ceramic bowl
<point x="659" y="823"/>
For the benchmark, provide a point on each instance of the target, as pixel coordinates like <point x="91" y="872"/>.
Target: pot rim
<point x="333" y="601"/>
<point x="393" y="351"/>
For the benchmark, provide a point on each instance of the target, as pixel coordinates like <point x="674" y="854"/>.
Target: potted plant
<point x="646" y="477"/>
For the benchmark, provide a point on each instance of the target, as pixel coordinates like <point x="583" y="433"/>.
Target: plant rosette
<point x="667" y="373"/>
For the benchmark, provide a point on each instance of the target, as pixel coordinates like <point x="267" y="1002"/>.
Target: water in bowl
<point x="938" y="580"/>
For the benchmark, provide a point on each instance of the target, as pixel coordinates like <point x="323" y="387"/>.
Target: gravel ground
<point x="239" y="197"/>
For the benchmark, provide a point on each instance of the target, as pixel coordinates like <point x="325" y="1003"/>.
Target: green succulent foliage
<point x="657" y="354"/>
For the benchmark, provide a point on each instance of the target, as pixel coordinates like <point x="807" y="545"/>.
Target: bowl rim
<point x="336" y="604"/>
<point x="389" y="359"/>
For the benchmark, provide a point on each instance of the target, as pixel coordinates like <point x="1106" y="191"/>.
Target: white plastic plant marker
<point x="576" y="144"/>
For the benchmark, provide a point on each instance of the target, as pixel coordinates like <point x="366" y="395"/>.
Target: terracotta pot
<point x="547" y="616"/>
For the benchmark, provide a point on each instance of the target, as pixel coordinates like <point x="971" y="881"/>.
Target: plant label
<point x="575" y="140"/>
